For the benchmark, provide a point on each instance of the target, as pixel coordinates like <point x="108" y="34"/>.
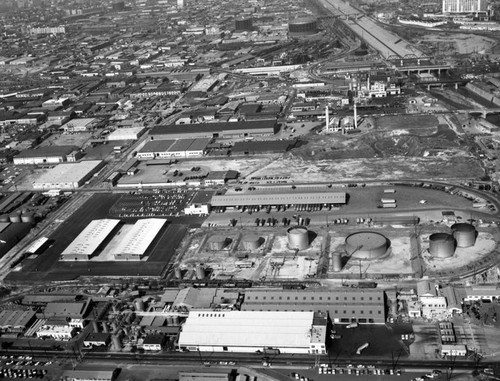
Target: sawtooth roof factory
<point x="342" y="305"/>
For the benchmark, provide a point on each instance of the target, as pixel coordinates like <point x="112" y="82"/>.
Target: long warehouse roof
<point x="277" y="329"/>
<point x="280" y="199"/>
<point x="214" y="127"/>
<point x="140" y="236"/>
<point x="91" y="237"/>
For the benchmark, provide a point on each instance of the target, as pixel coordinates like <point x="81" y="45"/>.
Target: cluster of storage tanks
<point x="19" y="216"/>
<point x="443" y="245"/>
<point x="199" y="272"/>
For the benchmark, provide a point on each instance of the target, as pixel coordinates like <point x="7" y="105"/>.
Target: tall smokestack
<point x="327" y="117"/>
<point x="355" y="116"/>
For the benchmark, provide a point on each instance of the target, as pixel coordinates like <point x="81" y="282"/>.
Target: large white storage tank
<point x="298" y="238"/>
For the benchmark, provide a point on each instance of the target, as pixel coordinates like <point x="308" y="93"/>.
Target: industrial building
<point x="85" y="245"/>
<point x="343" y="305"/>
<point x="275" y="199"/>
<point x="215" y="130"/>
<point x="465" y="6"/>
<point x="135" y="243"/>
<point x="44" y="155"/>
<point x="132" y="133"/>
<point x="80" y="125"/>
<point x="181" y="148"/>
<point x="68" y="176"/>
<point x="16" y="321"/>
<point x="254" y="331"/>
<point x="72" y="312"/>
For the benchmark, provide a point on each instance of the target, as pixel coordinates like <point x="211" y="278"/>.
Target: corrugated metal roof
<point x="282" y="329"/>
<point x="91" y="237"/>
<point x="140" y="236"/>
<point x="280" y="199"/>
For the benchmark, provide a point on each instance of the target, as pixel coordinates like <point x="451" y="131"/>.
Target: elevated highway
<point x="385" y="42"/>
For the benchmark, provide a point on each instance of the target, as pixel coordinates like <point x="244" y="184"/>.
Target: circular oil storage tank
<point x="336" y="262"/>
<point x="441" y="245"/>
<point x="217" y="242"/>
<point x="298" y="238"/>
<point x="464" y="234"/>
<point x="139" y="304"/>
<point x="252" y="242"/>
<point x="303" y="26"/>
<point x="366" y="245"/>
<point x="27" y="218"/>
<point x="4" y="218"/>
<point x="15" y="217"/>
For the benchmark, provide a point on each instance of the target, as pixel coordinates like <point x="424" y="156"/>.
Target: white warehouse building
<point x="68" y="176"/>
<point x="135" y="243"/>
<point x="89" y="240"/>
<point x="254" y="331"/>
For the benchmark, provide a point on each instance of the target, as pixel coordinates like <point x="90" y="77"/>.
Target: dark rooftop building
<point x="215" y="130"/>
<point x="259" y="147"/>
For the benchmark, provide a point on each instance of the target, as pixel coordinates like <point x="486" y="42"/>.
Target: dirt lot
<point x="461" y="43"/>
<point x="443" y="166"/>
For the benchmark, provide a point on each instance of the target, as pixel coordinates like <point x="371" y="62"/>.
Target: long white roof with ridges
<point x="247" y="328"/>
<point x="91" y="237"/>
<point x="140" y="236"/>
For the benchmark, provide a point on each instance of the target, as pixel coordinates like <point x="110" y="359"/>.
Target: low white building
<point x="132" y="133"/>
<point x="434" y="307"/>
<point x="68" y="176"/>
<point x="254" y="331"/>
<point x="482" y="292"/>
<point x="56" y="331"/>
<point x="453" y="350"/>
<point x="80" y="125"/>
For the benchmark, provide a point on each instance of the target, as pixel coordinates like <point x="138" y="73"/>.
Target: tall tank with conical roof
<point x="465" y="234"/>
<point x="336" y="262"/>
